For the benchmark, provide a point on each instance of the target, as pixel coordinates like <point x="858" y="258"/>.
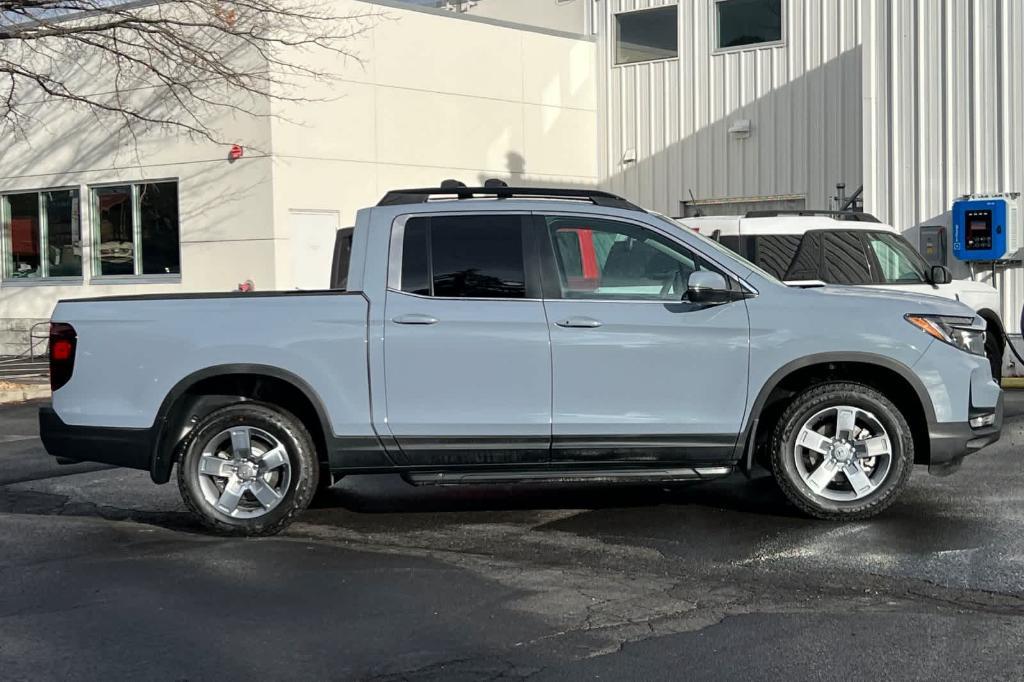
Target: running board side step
<point x="567" y="476"/>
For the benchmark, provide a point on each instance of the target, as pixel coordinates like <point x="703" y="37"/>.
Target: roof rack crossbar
<point x="422" y="195"/>
<point x="854" y="216"/>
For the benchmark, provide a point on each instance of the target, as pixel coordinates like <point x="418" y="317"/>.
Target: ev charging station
<point x="988" y="231"/>
<point x="987" y="228"/>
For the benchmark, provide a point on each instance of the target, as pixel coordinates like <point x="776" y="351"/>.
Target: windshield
<point x="725" y="252"/>
<point x="898" y="261"/>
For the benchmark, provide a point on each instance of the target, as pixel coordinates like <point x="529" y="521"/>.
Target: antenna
<point x="693" y="202"/>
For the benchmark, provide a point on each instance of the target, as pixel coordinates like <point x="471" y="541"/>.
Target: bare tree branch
<point x="179" y="65"/>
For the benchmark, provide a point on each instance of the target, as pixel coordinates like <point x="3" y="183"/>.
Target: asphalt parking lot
<point x="105" y="576"/>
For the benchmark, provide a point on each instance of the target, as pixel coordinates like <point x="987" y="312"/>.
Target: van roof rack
<point x="854" y="216"/>
<point x="399" y="197"/>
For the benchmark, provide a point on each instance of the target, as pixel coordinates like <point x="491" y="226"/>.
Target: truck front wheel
<point x="994" y="352"/>
<point x="842" y="451"/>
<point x="249" y="470"/>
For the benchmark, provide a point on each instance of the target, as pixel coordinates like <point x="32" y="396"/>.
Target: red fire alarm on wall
<point x="237" y="152"/>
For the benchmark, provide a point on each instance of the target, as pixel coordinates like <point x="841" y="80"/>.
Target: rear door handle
<point x="580" y="322"/>
<point x="415" y="319"/>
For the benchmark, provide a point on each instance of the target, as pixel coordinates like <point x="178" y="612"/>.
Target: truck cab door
<point x="640" y="374"/>
<point x="466" y="349"/>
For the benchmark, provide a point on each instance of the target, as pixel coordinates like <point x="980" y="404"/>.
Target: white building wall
<point x="432" y="96"/>
<point x="437" y="97"/>
<point x="944" y="114"/>
<point x="225" y="227"/>
<point x="803" y="99"/>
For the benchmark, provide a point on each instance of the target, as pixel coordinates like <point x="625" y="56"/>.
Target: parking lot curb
<point x="23" y="393"/>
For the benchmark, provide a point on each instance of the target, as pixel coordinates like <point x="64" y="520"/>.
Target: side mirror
<point x="707" y="287"/>
<point x="940" y="274"/>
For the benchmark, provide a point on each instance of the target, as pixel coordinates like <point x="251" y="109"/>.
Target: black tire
<point x="301" y="453"/>
<point x="994" y="352"/>
<point x="803" y="408"/>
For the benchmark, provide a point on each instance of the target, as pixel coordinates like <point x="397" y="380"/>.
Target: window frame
<point x="879" y="270"/>
<point x="614" y="51"/>
<point x="6" y="244"/>
<point x="531" y="271"/>
<point x="552" y="276"/>
<point x="716" y="35"/>
<point x="138" y="277"/>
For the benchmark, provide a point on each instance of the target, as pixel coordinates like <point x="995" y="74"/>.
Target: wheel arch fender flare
<point x="824" y="359"/>
<point x="172" y="426"/>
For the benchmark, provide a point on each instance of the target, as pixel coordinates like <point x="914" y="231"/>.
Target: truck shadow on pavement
<point x="737" y="513"/>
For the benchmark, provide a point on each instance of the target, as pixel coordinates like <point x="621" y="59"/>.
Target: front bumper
<point x="131" y="448"/>
<point x="951" y="442"/>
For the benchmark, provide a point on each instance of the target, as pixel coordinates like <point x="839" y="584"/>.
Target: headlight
<point x="966" y="333"/>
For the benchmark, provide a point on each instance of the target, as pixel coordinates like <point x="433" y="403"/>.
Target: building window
<point x="647" y="35"/>
<point x="748" y="22"/>
<point x="42" y="235"/>
<point x="136" y="230"/>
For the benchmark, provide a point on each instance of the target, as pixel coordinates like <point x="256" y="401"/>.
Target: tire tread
<point x="822" y="393"/>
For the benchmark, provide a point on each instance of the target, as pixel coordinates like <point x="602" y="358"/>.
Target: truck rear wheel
<point x="249" y="470"/>
<point x="842" y="451"/>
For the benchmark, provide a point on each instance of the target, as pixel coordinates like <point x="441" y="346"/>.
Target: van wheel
<point x="249" y="470"/>
<point x="994" y="352"/>
<point x="842" y="451"/>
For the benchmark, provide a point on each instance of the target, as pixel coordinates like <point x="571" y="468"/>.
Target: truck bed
<point x="135" y="350"/>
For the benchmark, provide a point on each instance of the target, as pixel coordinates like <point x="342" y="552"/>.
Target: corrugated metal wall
<point x="944" y="113"/>
<point x="803" y="100"/>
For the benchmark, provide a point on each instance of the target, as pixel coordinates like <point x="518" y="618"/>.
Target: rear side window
<point x="342" y="258"/>
<point x="477" y="256"/>
<point x="846" y="259"/>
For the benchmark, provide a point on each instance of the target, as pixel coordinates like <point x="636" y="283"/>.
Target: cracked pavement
<point x="105" y="575"/>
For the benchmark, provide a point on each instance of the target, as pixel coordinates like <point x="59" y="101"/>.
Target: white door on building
<point x="312" y="240"/>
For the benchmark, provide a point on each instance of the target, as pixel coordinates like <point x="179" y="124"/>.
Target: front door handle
<point x="415" y="319"/>
<point x="580" y="322"/>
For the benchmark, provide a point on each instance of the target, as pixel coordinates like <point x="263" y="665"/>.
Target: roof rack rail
<point x="854" y="216"/>
<point x="422" y="195"/>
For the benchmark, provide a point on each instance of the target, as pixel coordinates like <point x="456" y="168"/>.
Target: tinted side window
<point x="464" y="257"/>
<point x="846" y="259"/>
<point x="807" y="264"/>
<point x="415" y="263"/>
<point x="775" y="253"/>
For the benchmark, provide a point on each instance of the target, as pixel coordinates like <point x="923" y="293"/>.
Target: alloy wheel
<point x="244" y="472"/>
<point x="843" y="453"/>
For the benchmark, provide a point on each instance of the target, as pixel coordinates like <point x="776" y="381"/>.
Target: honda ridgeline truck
<point x="480" y="338"/>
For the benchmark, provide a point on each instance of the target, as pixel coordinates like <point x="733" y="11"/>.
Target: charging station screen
<point x="978" y="226"/>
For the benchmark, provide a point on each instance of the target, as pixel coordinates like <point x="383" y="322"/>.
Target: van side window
<point x="471" y="256"/>
<point x="807" y="264"/>
<point x="606" y="259"/>
<point x="779" y="254"/>
<point x="846" y="259"/>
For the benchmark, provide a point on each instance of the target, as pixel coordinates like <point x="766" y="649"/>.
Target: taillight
<point x="63" y="341"/>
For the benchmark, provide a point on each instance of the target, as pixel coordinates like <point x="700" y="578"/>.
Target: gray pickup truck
<point x="505" y="335"/>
